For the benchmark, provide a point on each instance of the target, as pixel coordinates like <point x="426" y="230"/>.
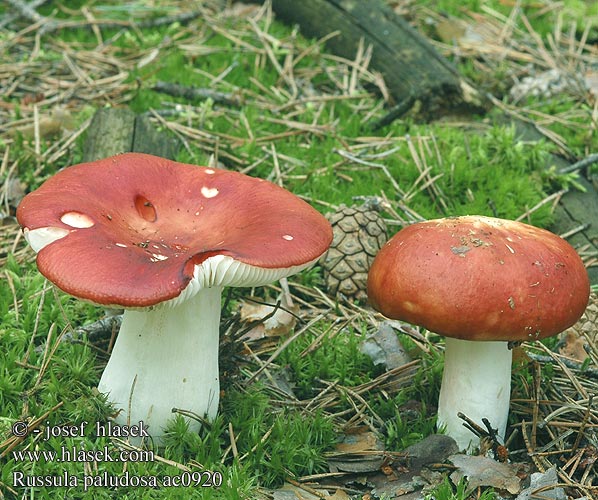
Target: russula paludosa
<point x="481" y="282"/>
<point x="162" y="239"/>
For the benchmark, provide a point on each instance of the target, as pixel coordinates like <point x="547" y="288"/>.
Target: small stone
<point x="435" y="448"/>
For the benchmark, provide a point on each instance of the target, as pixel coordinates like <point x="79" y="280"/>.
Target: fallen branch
<point x="590" y="372"/>
<point x="100" y="330"/>
<point x="586" y="162"/>
<point x="193" y="93"/>
<point x="27" y="11"/>
<point x="413" y="71"/>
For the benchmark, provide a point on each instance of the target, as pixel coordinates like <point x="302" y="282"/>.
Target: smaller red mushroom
<point x="162" y="239"/>
<point x="481" y="282"/>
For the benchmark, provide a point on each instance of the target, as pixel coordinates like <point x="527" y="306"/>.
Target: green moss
<point x="336" y="359"/>
<point x="410" y="415"/>
<point x="448" y="491"/>
<point x="543" y="21"/>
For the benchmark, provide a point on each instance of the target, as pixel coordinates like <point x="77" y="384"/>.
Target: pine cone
<point x="359" y="232"/>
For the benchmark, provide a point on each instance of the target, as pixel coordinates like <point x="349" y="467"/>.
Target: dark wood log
<point x="148" y="139"/>
<point x="414" y="72"/>
<point x="579" y="209"/>
<point x="120" y="130"/>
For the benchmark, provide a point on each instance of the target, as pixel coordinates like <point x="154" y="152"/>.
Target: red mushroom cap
<point x="137" y="225"/>
<point x="480" y="278"/>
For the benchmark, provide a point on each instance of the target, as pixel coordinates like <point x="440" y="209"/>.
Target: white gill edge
<point x="216" y="271"/>
<point x="223" y="270"/>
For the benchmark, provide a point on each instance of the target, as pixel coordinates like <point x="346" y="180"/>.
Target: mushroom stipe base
<point x="476" y="382"/>
<point x="166" y="358"/>
<point x="485" y="280"/>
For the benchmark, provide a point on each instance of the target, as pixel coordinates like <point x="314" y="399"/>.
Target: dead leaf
<point x="384" y="348"/>
<point x="574" y="340"/>
<point x="278" y="322"/>
<point x="573" y="345"/>
<point x="542" y="482"/>
<point x="292" y="492"/>
<point x="366" y="441"/>
<point x="520" y="356"/>
<point x="340" y="495"/>
<point x="483" y="471"/>
<point x="359" y="451"/>
<point x="431" y="449"/>
<point x="52" y="124"/>
<point x="406" y="484"/>
<point x="452" y="30"/>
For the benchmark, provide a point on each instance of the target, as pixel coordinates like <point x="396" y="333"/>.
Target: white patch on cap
<point x="121" y="245"/>
<point x="76" y="219"/>
<point x="510" y="249"/>
<point x="287" y="237"/>
<point x="490" y="221"/>
<point x="156" y="257"/>
<point x="410" y="306"/>
<point x="209" y="171"/>
<point x="209" y="192"/>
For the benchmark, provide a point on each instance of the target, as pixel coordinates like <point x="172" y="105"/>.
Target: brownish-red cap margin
<point x="480" y="278"/>
<point x="137" y="225"/>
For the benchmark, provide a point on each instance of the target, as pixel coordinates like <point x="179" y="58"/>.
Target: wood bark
<point x="120" y="130"/>
<point x="413" y="70"/>
<point x="575" y="208"/>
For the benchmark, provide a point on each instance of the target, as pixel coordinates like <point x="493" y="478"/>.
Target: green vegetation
<point x="446" y="491"/>
<point x="337" y="359"/>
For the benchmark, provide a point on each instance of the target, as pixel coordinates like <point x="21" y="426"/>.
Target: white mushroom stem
<point x="476" y="382"/>
<point x="166" y="358"/>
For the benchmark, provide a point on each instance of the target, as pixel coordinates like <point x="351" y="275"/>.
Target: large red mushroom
<point x="481" y="282"/>
<point x="162" y="239"/>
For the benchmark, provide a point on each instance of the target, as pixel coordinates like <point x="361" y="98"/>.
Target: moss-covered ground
<point x="284" y="109"/>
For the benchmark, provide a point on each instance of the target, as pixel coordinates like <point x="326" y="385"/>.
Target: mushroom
<point x="162" y="239"/>
<point x="482" y="282"/>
